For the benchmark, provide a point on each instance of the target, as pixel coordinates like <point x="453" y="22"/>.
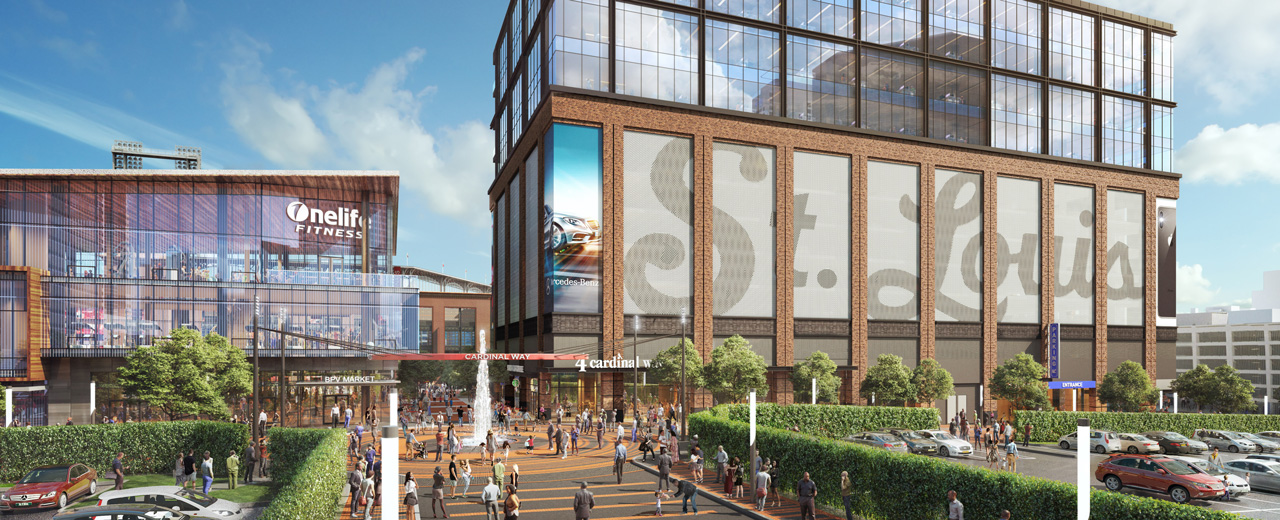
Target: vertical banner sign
<point x="571" y="218"/>
<point x="1053" y="350"/>
<point x="1167" y="261"/>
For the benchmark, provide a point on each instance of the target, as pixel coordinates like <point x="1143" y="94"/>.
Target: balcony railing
<point x="341" y="279"/>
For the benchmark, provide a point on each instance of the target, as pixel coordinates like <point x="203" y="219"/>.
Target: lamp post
<point x="253" y="421"/>
<point x="281" y="400"/>
<point x="635" y="377"/>
<point x="684" y="403"/>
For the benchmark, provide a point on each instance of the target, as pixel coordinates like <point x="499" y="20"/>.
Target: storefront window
<point x="13" y="324"/>
<point x="459" y="329"/>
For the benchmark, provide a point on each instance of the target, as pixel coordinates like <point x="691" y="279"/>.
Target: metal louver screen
<point x="822" y="235"/>
<point x="742" y="231"/>
<point x="657" y="223"/>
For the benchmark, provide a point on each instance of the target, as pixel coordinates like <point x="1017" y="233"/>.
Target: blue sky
<point x="406" y="86"/>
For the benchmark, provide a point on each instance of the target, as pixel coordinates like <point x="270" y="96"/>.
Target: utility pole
<point x="253" y="421"/>
<point x="684" y="388"/>
<point x="280" y="399"/>
<point x="635" y="378"/>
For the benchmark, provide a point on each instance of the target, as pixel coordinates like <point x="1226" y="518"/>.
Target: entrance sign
<point x="1072" y="385"/>
<point x="1053" y="350"/>
<point x="609" y="364"/>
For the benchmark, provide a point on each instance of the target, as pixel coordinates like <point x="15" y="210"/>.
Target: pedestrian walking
<point x="179" y="474"/>
<point x="993" y="459"/>
<point x="437" y="493"/>
<point x="619" y="458"/>
<point x="250" y="458"/>
<point x="117" y="470"/>
<point x="807" y="491"/>
<point x="664" y="470"/>
<point x="368" y="492"/>
<point x="439" y="445"/>
<point x="515" y="475"/>
<point x="583" y="501"/>
<point x="465" y="473"/>
<point x="658" y="495"/>
<point x="499" y="472"/>
<point x="721" y="459"/>
<point x="410" y="496"/>
<point x="729" y="472"/>
<point x="955" y="509"/>
<point x="1011" y="456"/>
<point x="760" y="487"/>
<point x="1026" y="434"/>
<point x="512" y="504"/>
<point x="453" y="476"/>
<point x="206" y="472"/>
<point x="695" y="463"/>
<point x="489" y="496"/>
<point x="189" y="469"/>
<point x="233" y="469"/>
<point x="846" y="494"/>
<point x="773" y="484"/>
<point x="354" y="479"/>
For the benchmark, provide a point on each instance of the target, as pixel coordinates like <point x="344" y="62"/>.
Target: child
<point x="660" y="494"/>
<point x="528" y="446"/>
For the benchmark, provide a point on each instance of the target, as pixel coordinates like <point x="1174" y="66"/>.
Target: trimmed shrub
<point x="833" y="421"/>
<point x="890" y="485"/>
<point x="149" y="447"/>
<point x="308" y="470"/>
<point x="1049" y="426"/>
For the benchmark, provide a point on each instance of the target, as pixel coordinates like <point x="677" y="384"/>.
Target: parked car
<point x="1225" y="440"/>
<point x="1235" y="484"/>
<point x="1174" y="442"/>
<point x="50" y="486"/>
<point x="948" y="444"/>
<point x="1261" y="474"/>
<point x="916" y="443"/>
<point x="1134" y="443"/>
<point x="123" y="512"/>
<point x="1273" y="436"/>
<point x="878" y="440"/>
<point x="188" y="501"/>
<point x="1264" y="456"/>
<point x="1158" y="474"/>
<point x="1099" y="441"/>
<point x="1265" y="445"/>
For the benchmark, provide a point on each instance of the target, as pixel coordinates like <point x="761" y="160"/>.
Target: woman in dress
<point x="437" y="493"/>
<point x="695" y="464"/>
<point x="490" y="445"/>
<point x="738" y="481"/>
<point x="729" y="472"/>
<point x="410" y="497"/>
<point x="515" y="474"/>
<point x="506" y="450"/>
<point x="512" y="504"/>
<point x="465" y="473"/>
<point x="773" y="483"/>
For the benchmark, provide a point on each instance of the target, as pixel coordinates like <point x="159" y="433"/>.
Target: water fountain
<point x="481" y="409"/>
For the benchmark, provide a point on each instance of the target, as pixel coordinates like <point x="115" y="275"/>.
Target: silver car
<point x="1236" y="484"/>
<point x="188" y="501"/>
<point x="882" y="440"/>
<point x="1261" y="474"/>
<point x="1265" y="445"/>
<point x="1100" y="441"/>
<point x="1225" y="441"/>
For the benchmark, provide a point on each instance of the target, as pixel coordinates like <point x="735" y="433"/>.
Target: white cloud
<point x="1246" y="152"/>
<point x="376" y="125"/>
<point x="48" y="13"/>
<point x="76" y="53"/>
<point x="1193" y="288"/>
<point x="179" y="16"/>
<point x="1228" y="46"/>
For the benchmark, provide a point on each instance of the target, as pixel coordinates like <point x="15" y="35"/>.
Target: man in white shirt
<point x="262" y="422"/>
<point x="334" y="413"/>
<point x="490" y="496"/>
<point x="955" y="510"/>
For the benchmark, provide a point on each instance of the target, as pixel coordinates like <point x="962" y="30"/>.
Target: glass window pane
<point x="891" y="87"/>
<point x="1123" y="54"/>
<point x="657" y="54"/>
<point x="744" y="68"/>
<point x="1123" y="126"/>
<point x="835" y="17"/>
<point x="1071" y="123"/>
<point x="892" y="22"/>
<point x="579" y="47"/>
<point x="1161" y="138"/>
<point x="763" y="10"/>
<point x="1162" y="66"/>
<point x="821" y="77"/>
<point x="958" y="246"/>
<point x="893" y="241"/>
<point x="1071" y="44"/>
<point x="1017" y="250"/>
<point x="956" y="30"/>
<point x="535" y="75"/>
<point x="500" y="285"/>
<point x="1073" y="258"/>
<point x="957" y="99"/>
<point x="1015" y="114"/>
<point x="1015" y="35"/>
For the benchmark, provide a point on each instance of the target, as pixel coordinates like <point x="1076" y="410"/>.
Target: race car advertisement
<point x="571" y="218"/>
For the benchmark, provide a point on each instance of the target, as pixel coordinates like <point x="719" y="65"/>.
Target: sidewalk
<point x="745" y="505"/>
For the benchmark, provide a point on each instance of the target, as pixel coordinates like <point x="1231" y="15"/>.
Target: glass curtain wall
<point x="834" y="17"/>
<point x="13" y="324"/>
<point x="657" y="54"/>
<point x="743" y="68"/>
<point x="822" y="81"/>
<point x="891" y="91"/>
<point x="956" y="30"/>
<point x="1015" y="35"/>
<point x="1015" y="114"/>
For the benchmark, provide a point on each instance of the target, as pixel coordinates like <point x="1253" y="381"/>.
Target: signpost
<point x="1053" y="350"/>
<point x="1072" y="385"/>
<point x="1082" y="469"/>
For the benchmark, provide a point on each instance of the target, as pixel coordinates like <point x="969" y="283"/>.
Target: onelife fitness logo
<point x="326" y="223"/>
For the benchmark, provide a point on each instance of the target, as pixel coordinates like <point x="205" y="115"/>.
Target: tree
<point x="1128" y="388"/>
<point x="735" y="371"/>
<point x="818" y="366"/>
<point x="1019" y="380"/>
<point x="665" y="368"/>
<point x="1195" y="385"/>
<point x="889" y="380"/>
<point x="187" y="374"/>
<point x="457" y="374"/>
<point x="931" y="382"/>
<point x="413" y="373"/>
<point x="1231" y="393"/>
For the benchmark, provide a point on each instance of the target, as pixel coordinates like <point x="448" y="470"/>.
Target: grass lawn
<point x="242" y="494"/>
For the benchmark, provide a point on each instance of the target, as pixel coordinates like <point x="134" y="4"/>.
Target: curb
<point x="747" y="512"/>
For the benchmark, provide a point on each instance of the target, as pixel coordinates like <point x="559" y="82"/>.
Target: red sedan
<point x="50" y="486"/>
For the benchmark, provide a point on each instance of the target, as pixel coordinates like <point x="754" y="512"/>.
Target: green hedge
<point x="833" y="421"/>
<point x="1049" y="426"/>
<point x="149" y="447"/>
<point x="896" y="485"/>
<point x="308" y="469"/>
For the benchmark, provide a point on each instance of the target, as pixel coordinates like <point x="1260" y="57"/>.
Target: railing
<point x="341" y="279"/>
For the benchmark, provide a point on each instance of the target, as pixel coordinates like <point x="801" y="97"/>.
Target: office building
<point x="1247" y="339"/>
<point x="938" y="179"/>
<point x="451" y="310"/>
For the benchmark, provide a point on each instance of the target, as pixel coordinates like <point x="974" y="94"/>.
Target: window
<point x="822" y="239"/>
<point x="1213" y="350"/>
<point x="1071" y="46"/>
<point x="1122" y="58"/>
<point x="657" y="54"/>
<point x="501" y="89"/>
<point x="821" y="78"/>
<point x="1015" y="36"/>
<point x="1184" y="352"/>
<point x="956" y="30"/>
<point x="1184" y="337"/>
<point x="13" y="324"/>
<point x="1250" y="364"/>
<point x="1015" y="114"/>
<point x="533" y="7"/>
<point x="1162" y="66"/>
<point x="835" y="17"/>
<point x="1247" y="335"/>
<point x="517" y="34"/>
<point x="745" y="174"/>
<point x="1071" y="123"/>
<point x="459" y="329"/>
<point x="1249" y="350"/>
<point x="579" y="49"/>
<point x="891" y="86"/>
<point x="1161" y="138"/>
<point x="1123" y="126"/>
<point x="535" y="74"/>
<point x="426" y="332"/>
<point x="956" y="103"/>
<point x="1214" y="337"/>
<point x="517" y="111"/>
<point x="743" y="68"/>
<point x="763" y="10"/>
<point x="892" y="22"/>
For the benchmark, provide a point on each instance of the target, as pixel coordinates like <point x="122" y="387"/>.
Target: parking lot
<point x="1050" y="462"/>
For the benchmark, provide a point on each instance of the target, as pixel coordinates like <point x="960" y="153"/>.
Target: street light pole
<point x="684" y="388"/>
<point x="635" y="377"/>
<point x="281" y="401"/>
<point x="253" y="421"/>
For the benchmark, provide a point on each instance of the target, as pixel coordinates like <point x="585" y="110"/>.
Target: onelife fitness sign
<point x="344" y="223"/>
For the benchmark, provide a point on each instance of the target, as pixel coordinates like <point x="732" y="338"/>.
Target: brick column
<point x="928" y="262"/>
<point x="1100" y="281"/>
<point x="858" y="293"/>
<point x="700" y="309"/>
<point x="784" y="344"/>
<point x="1048" y="273"/>
<point x="611" y="251"/>
<point x="990" y="297"/>
<point x="1150" y="282"/>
